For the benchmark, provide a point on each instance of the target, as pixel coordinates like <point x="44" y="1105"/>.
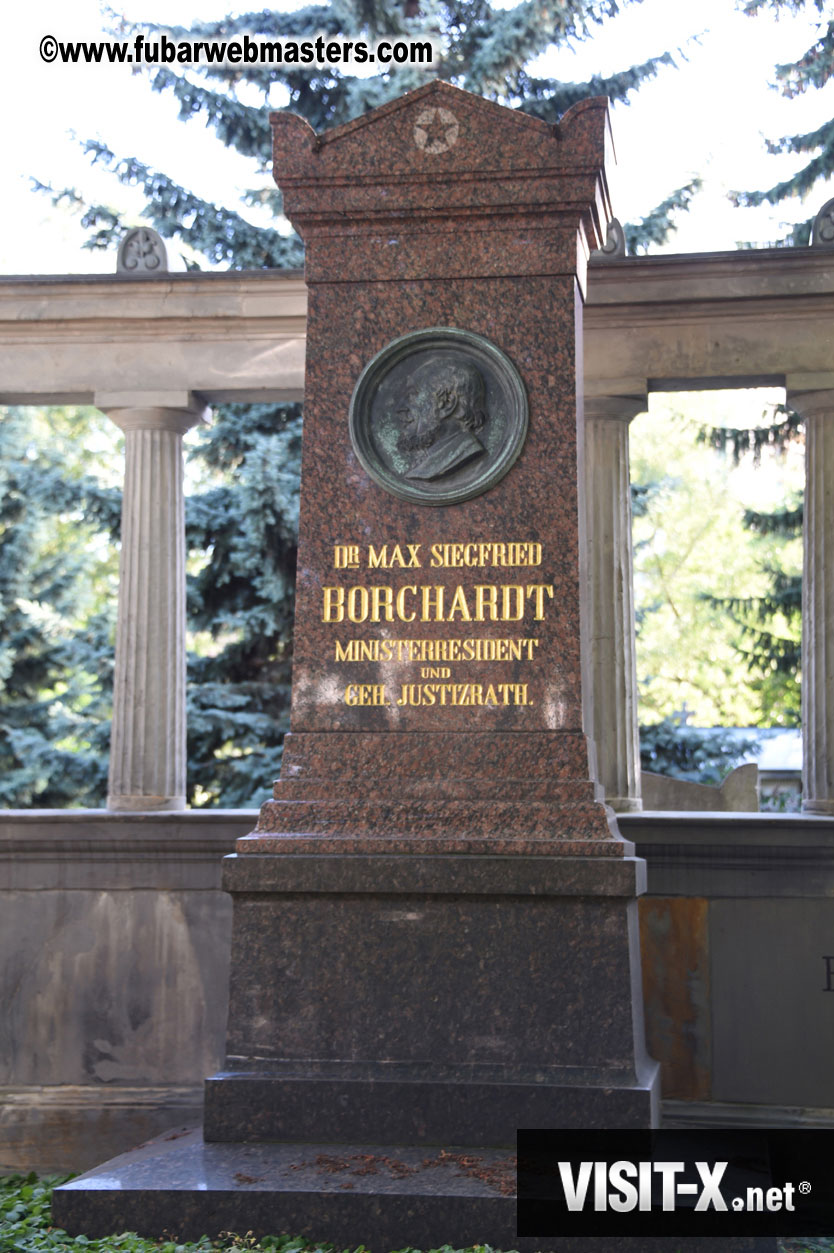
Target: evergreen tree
<point x="241" y="519"/>
<point x="793" y="78"/>
<point x="57" y="603"/>
<point x="657" y="225"/>
<point x="771" y="623"/>
<point x="240" y="602"/>
<point x="482" y="48"/>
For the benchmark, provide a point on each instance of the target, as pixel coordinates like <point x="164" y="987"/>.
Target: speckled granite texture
<point x="441" y="209"/>
<point x="501" y="193"/>
<point x="407" y="996"/>
<point x="381" y="1196"/>
<point x="442" y="792"/>
<point x="499" y="975"/>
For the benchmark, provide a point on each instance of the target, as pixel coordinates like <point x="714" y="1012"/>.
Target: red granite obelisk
<point x="425" y="720"/>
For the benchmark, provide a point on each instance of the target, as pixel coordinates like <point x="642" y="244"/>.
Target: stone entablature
<point x="236" y="336"/>
<point x="748" y="318"/>
<point x="704" y="319"/>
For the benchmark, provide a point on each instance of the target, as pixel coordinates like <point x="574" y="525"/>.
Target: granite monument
<point x="435" y="936"/>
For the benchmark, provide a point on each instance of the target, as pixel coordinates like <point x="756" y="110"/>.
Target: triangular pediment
<point x="440" y="128"/>
<point x="440" y="95"/>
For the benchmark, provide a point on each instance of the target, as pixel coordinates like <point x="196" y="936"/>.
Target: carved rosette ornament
<point x="438" y="416"/>
<point x="142" y="251"/>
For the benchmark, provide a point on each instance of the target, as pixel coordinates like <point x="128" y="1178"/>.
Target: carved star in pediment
<point x="436" y="130"/>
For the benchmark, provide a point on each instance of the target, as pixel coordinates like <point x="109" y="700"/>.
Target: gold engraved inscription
<point x="439" y="556"/>
<point x="516" y="600"/>
<point x="430" y="602"/>
<point x="483" y="649"/>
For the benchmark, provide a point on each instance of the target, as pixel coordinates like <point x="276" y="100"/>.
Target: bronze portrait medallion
<point x="438" y="416"/>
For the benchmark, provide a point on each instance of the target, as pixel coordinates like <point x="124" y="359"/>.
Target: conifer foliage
<point x="771" y="623"/>
<point x="240" y="602"/>
<point x="482" y="48"/>
<point x="793" y="78"/>
<point x="57" y="611"/>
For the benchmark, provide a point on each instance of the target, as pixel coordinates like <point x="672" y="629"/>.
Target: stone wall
<point x="737" y="937"/>
<point x="114" y="940"/>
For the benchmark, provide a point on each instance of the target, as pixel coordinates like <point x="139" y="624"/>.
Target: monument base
<point x="383" y="1009"/>
<point x="482" y="1105"/>
<point x="431" y="999"/>
<point x="383" y="1197"/>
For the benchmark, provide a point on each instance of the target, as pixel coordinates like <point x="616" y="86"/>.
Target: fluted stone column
<point x="817" y="409"/>
<point x="612" y="711"/>
<point x="147" y="746"/>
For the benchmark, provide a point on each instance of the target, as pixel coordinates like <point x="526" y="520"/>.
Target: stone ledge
<point x="734" y="854"/>
<point x="728" y="1114"/>
<point x="437" y="875"/>
<point x="350" y="1194"/>
<point x="702" y="826"/>
<point x="688" y="853"/>
<point x="279" y="1105"/>
<point x="95" y="849"/>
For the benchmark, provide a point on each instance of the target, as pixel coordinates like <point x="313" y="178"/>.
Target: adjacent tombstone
<point x="435" y="921"/>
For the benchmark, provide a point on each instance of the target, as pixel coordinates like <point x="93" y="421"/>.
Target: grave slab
<point x="350" y="1195"/>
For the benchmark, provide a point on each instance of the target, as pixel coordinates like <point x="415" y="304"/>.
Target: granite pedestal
<point x="389" y="999"/>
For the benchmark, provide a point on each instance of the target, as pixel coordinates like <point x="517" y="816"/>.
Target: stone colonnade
<point x="148" y="739"/>
<point x="749" y="318"/>
<point x="147" y="743"/>
<point x="148" y="754"/>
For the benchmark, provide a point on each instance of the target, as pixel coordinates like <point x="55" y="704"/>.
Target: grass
<point x="25" y="1227"/>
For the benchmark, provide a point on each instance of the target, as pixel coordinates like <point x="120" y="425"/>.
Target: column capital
<point x="154" y="411"/>
<point x="615" y="408"/>
<point x="811" y="404"/>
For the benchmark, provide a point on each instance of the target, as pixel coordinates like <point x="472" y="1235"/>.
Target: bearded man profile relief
<point x="446" y="406"/>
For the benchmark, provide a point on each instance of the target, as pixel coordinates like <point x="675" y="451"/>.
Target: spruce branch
<point x="218" y="233"/>
<point x="548" y="98"/>
<point x="739" y="441"/>
<point x="657" y="225"/>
